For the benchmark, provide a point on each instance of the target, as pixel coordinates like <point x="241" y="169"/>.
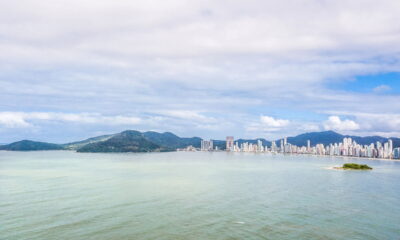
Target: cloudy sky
<point x="256" y="68"/>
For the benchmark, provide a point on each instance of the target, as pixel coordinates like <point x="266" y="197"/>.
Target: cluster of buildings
<point x="348" y="147"/>
<point x="233" y="146"/>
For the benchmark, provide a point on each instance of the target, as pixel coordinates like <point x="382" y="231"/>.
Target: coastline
<point x="220" y="151"/>
<point x="327" y="156"/>
<point x="352" y="157"/>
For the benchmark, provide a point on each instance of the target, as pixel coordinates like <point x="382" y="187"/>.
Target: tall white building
<point x="390" y="143"/>
<point x="273" y="146"/>
<point x="260" y="147"/>
<point x="230" y="143"/>
<point x="207" y="145"/>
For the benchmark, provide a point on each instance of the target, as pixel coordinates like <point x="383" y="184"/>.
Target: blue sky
<point x="76" y="69"/>
<point x="382" y="83"/>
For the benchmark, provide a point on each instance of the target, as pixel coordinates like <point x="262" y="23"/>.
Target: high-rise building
<point x="236" y="147"/>
<point x="273" y="146"/>
<point x="396" y="153"/>
<point x="308" y="145"/>
<point x="229" y="143"/>
<point x="260" y="147"/>
<point x="207" y="145"/>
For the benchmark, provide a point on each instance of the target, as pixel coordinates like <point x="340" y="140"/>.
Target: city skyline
<point x="74" y="69"/>
<point x="348" y="148"/>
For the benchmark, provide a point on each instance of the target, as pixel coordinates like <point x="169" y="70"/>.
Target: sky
<point x="257" y="68"/>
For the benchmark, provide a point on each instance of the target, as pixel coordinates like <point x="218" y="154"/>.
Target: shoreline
<point x="326" y="156"/>
<point x="270" y="153"/>
<point x="352" y="157"/>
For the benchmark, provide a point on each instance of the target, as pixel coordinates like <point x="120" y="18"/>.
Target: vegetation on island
<point x="170" y="140"/>
<point x="127" y="141"/>
<point x="27" y="145"/>
<point x="354" y="166"/>
<point x="79" y="144"/>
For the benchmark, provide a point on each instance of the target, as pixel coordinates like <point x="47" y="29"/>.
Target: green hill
<point x="79" y="144"/>
<point x="127" y="141"/>
<point x="170" y="140"/>
<point x="27" y="145"/>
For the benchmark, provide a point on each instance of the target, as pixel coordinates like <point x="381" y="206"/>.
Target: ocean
<point x="195" y="195"/>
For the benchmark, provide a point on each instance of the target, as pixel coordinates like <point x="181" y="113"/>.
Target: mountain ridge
<point x="29" y="145"/>
<point x="126" y="141"/>
<point x="154" y="141"/>
<point x="331" y="137"/>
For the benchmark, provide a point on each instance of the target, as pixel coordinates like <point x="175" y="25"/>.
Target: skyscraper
<point x="396" y="153"/>
<point x="273" y="146"/>
<point x="260" y="147"/>
<point x="207" y="145"/>
<point x="229" y="143"/>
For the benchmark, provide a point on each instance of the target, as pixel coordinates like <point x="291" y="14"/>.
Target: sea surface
<point x="195" y="195"/>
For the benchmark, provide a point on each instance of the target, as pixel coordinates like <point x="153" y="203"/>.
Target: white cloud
<point x="382" y="89"/>
<point x="186" y="115"/>
<point x="267" y="124"/>
<point x="215" y="61"/>
<point x="336" y="124"/>
<point x="12" y="120"/>
<point x="25" y="119"/>
<point x="256" y="37"/>
<point x="385" y="124"/>
<point x="271" y="122"/>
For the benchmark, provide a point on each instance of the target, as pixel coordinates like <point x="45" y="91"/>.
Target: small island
<point x="354" y="166"/>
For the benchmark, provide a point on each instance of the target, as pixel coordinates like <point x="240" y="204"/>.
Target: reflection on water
<point x="182" y="195"/>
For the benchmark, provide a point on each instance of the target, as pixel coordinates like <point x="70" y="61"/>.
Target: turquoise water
<point x="186" y="195"/>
